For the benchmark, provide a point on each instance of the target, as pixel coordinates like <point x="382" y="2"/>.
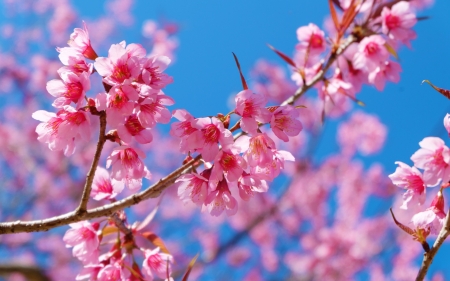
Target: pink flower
<point x="284" y="122"/>
<point x="127" y="166"/>
<point x="63" y="129"/>
<point x="371" y="53"/>
<point x="210" y="132"/>
<point x="432" y="219"/>
<point x="193" y="187"/>
<point x="183" y="129"/>
<point x="398" y="21"/>
<point x="79" y="40"/>
<point x="120" y="65"/>
<point x="133" y="128"/>
<point x="387" y="71"/>
<point x="355" y="77"/>
<point x="152" y="72"/>
<point x="156" y="263"/>
<point x="221" y="200"/>
<point x="73" y="61"/>
<point x="248" y="184"/>
<point x="272" y="169"/>
<point x="83" y="238"/>
<point x="260" y="150"/>
<point x="72" y="88"/>
<point x="152" y="109"/>
<point x="434" y="158"/>
<point x="113" y="271"/>
<point x="411" y="179"/>
<point x="312" y="39"/>
<point x="103" y="187"/>
<point x="251" y="107"/>
<point x="120" y="103"/>
<point x="447" y="123"/>
<point x="228" y="164"/>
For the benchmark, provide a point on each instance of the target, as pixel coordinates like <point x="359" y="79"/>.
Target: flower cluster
<point x="240" y="166"/>
<point x="133" y="102"/>
<point x="365" y="61"/>
<point x="433" y="158"/>
<point x="119" y="262"/>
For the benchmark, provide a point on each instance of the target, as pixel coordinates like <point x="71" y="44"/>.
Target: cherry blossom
<point x="221" y="200"/>
<point x="120" y="65"/>
<point x="398" y="21"/>
<point x="156" y="263"/>
<point x="371" y="53"/>
<point x="183" y="129"/>
<point x="133" y="128"/>
<point x="411" y="179"/>
<point x="152" y="109"/>
<point x="83" y="238"/>
<point x="284" y="122"/>
<point x="251" y="107"/>
<point x="210" y="132"/>
<point x="434" y="158"/>
<point x="72" y="88"/>
<point x="62" y="129"/>
<point x="312" y="39"/>
<point x="127" y="166"/>
<point x="447" y="123"/>
<point x="194" y="187"/>
<point x="226" y="164"/>
<point x="103" y="187"/>
<point x="431" y="219"/>
<point x="79" y="40"/>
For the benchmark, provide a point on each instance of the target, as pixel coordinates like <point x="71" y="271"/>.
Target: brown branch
<point x="428" y="257"/>
<point x="32" y="273"/>
<point x="106" y="210"/>
<point x="90" y="176"/>
<point x="154" y="190"/>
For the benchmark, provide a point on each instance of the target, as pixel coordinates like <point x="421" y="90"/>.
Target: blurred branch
<point x="31" y="273"/>
<point x="429" y="256"/>
<point x="156" y="189"/>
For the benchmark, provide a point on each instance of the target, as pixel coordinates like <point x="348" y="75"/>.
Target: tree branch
<point x="90" y="176"/>
<point x="32" y="273"/>
<point x="106" y="210"/>
<point x="152" y="191"/>
<point x="428" y="257"/>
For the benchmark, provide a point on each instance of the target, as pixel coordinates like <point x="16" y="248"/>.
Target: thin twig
<point x="319" y="76"/>
<point x="428" y="257"/>
<point x="90" y="176"/>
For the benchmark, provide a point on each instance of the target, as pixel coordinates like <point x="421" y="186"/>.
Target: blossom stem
<point x="320" y="75"/>
<point x="90" y="176"/>
<point x="429" y="256"/>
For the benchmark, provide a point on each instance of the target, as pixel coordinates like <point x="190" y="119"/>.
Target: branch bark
<point x="90" y="176"/>
<point x="428" y="257"/>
